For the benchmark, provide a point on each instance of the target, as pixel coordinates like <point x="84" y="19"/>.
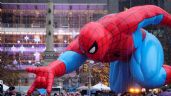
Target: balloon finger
<point x="31" y="89"/>
<point x="50" y="83"/>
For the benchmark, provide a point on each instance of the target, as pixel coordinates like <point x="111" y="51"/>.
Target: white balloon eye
<point x="93" y="48"/>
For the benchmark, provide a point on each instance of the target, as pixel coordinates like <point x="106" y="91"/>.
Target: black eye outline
<point x="95" y="46"/>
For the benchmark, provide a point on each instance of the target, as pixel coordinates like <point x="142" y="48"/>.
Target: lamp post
<point x="15" y="62"/>
<point x="130" y="3"/>
<point x="89" y="77"/>
<point x="49" y="54"/>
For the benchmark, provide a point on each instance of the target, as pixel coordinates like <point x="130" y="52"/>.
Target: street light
<point x="15" y="62"/>
<point x="22" y="49"/>
<point x="89" y="71"/>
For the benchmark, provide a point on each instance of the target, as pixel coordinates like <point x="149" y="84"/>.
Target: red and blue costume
<point x="135" y="55"/>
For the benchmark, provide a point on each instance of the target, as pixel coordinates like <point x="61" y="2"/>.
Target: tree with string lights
<point x="8" y="70"/>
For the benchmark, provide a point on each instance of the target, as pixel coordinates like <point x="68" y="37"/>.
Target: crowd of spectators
<point x="159" y="92"/>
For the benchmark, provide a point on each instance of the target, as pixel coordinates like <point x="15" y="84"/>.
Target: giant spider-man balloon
<point x="135" y="55"/>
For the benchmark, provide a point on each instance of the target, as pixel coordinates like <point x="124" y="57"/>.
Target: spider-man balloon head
<point x="94" y="41"/>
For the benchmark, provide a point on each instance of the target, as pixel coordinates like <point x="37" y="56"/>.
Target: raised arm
<point x="73" y="57"/>
<point x="141" y="16"/>
<point x="67" y="62"/>
<point x="136" y="17"/>
<point x="132" y="20"/>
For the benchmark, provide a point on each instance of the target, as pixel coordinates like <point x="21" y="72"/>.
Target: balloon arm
<point x="73" y="57"/>
<point x="135" y="18"/>
<point x="58" y="68"/>
<point x="72" y="60"/>
<point x="66" y="63"/>
<point x="147" y="15"/>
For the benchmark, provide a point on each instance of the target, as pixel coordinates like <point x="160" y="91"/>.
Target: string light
<point x="36" y="39"/>
<point x="22" y="49"/>
<point x="36" y="54"/>
<point x="60" y="31"/>
<point x="29" y="61"/>
<point x="137" y="90"/>
<point x="26" y="38"/>
<point x="13" y="48"/>
<point x="15" y="62"/>
<point x="32" y="46"/>
<point x="65" y="41"/>
<point x="131" y="90"/>
<point x="18" y="42"/>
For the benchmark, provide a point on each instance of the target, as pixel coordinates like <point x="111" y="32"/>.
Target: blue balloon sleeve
<point x="72" y="60"/>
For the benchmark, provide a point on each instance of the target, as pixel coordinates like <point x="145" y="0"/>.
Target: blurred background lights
<point x="26" y="38"/>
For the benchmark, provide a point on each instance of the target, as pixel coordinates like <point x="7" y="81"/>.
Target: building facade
<point x="22" y="29"/>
